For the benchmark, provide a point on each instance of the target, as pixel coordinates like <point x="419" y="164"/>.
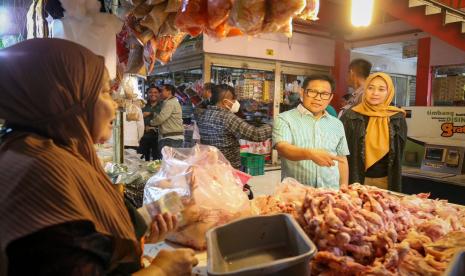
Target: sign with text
<point x="436" y="122"/>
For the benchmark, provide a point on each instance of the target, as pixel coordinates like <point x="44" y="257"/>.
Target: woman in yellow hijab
<point x="376" y="134"/>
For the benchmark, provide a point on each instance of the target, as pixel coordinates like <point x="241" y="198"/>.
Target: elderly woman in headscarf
<point x="59" y="213"/>
<point x="376" y="134"/>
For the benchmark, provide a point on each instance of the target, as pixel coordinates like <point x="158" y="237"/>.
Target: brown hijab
<point x="49" y="171"/>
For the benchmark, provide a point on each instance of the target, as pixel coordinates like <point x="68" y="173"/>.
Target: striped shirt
<point x="300" y="128"/>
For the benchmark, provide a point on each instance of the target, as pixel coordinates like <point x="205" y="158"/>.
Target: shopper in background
<point x="312" y="143"/>
<point x="200" y="108"/>
<point x="359" y="69"/>
<point x="188" y="106"/>
<point x="331" y="111"/>
<point x="149" y="142"/>
<point x="220" y="127"/>
<point x="169" y="120"/>
<point x="59" y="212"/>
<point x="376" y="133"/>
<point x="206" y="95"/>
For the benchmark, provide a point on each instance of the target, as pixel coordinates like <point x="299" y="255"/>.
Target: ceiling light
<point x="361" y="12"/>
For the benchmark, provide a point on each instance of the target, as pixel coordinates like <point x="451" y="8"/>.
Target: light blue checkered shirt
<point x="300" y="128"/>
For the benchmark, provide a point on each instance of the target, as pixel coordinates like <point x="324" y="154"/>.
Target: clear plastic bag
<point x="154" y="20"/>
<point x="280" y="12"/>
<point x="311" y="10"/>
<point x="222" y="31"/>
<point x="169" y="27"/>
<point x="142" y="10"/>
<point x="135" y="60"/>
<point x="218" y="11"/>
<point x="170" y="44"/>
<point x="173" y="5"/>
<point x="211" y="192"/>
<point x="286" y="29"/>
<point x="192" y="17"/>
<point x="248" y="15"/>
<point x="132" y="112"/>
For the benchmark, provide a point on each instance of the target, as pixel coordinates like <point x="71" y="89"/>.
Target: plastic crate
<point x="253" y="164"/>
<point x="268" y="245"/>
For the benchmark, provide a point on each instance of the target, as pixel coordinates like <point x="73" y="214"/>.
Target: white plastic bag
<point x="210" y="190"/>
<point x="132" y="112"/>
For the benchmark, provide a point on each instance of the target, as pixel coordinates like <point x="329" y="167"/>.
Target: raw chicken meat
<point x="362" y="230"/>
<point x="211" y="192"/>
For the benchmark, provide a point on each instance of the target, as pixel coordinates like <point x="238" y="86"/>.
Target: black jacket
<point x="355" y="128"/>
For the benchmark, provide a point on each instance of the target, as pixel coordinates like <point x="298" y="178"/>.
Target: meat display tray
<point x="260" y="245"/>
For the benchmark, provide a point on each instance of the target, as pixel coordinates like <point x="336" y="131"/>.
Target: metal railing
<point x="457" y="6"/>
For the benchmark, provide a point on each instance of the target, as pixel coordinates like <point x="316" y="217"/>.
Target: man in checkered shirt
<point x="220" y="127"/>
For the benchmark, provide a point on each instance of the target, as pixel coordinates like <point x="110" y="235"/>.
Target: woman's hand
<point x="161" y="226"/>
<point x="177" y="262"/>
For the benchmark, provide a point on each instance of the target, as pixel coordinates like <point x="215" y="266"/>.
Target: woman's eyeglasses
<point x="314" y="93"/>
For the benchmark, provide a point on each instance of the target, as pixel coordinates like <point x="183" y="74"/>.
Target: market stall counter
<point x="361" y="230"/>
<point x="358" y="229"/>
<point x="439" y="185"/>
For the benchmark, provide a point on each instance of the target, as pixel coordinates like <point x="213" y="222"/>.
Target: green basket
<point x="253" y="164"/>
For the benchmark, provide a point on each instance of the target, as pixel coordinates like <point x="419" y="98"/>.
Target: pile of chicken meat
<point x="363" y="230"/>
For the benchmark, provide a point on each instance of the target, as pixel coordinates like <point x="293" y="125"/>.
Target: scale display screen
<point x="434" y="154"/>
<point x="444" y="159"/>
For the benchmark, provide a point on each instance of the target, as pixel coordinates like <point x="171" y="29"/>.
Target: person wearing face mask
<point x="376" y="134"/>
<point x="220" y="127"/>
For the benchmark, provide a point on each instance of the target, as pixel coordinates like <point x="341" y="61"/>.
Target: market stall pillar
<point x="340" y="69"/>
<point x="423" y="91"/>
<point x="207" y="69"/>
<point x="276" y="102"/>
